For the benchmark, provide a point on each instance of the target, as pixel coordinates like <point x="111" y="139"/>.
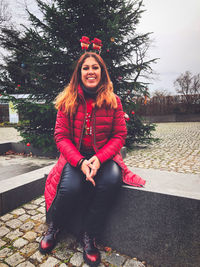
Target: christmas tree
<point x="42" y="58"/>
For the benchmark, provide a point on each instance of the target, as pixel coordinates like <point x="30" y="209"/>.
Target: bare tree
<point x="160" y="96"/>
<point x="189" y="86"/>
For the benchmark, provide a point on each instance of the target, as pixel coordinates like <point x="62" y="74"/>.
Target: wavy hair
<point x="68" y="98"/>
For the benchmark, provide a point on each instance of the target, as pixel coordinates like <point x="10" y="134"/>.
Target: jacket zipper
<point x="94" y="135"/>
<point x="79" y="147"/>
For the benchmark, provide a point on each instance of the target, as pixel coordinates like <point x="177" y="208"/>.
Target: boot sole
<point x="46" y="251"/>
<point x="90" y="263"/>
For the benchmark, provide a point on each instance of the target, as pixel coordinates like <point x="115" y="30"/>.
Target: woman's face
<point x="90" y="73"/>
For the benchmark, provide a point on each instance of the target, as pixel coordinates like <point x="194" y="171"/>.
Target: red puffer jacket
<point x="109" y="133"/>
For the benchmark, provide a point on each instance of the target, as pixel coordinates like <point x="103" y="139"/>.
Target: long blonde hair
<point x="67" y="99"/>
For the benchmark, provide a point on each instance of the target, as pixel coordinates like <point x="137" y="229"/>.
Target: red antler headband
<point x="96" y="43"/>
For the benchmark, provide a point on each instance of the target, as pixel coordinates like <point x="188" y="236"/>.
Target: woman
<point x="90" y="130"/>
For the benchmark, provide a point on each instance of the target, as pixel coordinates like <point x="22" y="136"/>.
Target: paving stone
<point x="30" y="206"/>
<point x="63" y="253"/>
<point x="38" y="239"/>
<point x="41" y="209"/>
<point x="43" y="219"/>
<point x="26" y="264"/>
<point x="6" y="217"/>
<point x="15" y="259"/>
<point x="37" y="256"/>
<point x="14" y="223"/>
<point x="5" y="252"/>
<point x="3" y="231"/>
<point x="133" y="263"/>
<point x="30" y="248"/>
<point x="41" y="228"/>
<point x="3" y="265"/>
<point x="18" y="211"/>
<point x="19" y="243"/>
<point x="27" y="226"/>
<point x="115" y="259"/>
<point x="32" y="212"/>
<point x="80" y="248"/>
<point x="2" y="243"/>
<point x="30" y="235"/>
<point x="37" y="217"/>
<point x="14" y="234"/>
<point x="24" y="217"/>
<point x="77" y="259"/>
<point x="37" y="201"/>
<point x="51" y="262"/>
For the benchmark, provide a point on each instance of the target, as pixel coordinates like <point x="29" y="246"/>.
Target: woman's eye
<point x="95" y="68"/>
<point x="85" y="68"/>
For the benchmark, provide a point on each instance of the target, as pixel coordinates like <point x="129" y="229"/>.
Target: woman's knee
<point x="110" y="174"/>
<point x="71" y="180"/>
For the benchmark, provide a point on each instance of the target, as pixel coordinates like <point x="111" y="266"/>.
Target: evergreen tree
<point x="42" y="57"/>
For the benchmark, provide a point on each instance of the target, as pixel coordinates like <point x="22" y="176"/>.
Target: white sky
<point x="176" y="33"/>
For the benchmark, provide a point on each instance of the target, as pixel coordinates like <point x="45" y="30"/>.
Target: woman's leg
<point x="68" y="192"/>
<point x="108" y="183"/>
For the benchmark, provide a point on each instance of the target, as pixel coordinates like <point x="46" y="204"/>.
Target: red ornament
<point x="97" y="44"/>
<point x="133" y="112"/>
<point x="18" y="85"/>
<point x="85" y="42"/>
<point x="108" y="50"/>
<point x="28" y="144"/>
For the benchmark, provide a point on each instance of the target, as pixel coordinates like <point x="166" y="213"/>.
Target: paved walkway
<point x="178" y="149"/>
<point x="21" y="231"/>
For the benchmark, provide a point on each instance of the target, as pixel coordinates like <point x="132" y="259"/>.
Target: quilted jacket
<point x="108" y="134"/>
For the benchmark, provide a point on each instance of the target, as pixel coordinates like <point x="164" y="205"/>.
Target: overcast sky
<point x="176" y="33"/>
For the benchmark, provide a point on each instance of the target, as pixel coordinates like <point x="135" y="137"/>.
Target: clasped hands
<point x="90" y="168"/>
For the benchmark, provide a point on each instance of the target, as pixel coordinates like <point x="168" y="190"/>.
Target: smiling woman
<point x="90" y="132"/>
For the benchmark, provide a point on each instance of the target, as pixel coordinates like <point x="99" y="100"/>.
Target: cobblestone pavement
<point x="20" y="234"/>
<point x="178" y="149"/>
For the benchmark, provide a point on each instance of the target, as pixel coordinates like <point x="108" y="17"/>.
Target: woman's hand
<point x="94" y="165"/>
<point x="86" y="170"/>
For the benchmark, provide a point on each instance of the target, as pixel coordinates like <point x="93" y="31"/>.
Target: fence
<point x="166" y="105"/>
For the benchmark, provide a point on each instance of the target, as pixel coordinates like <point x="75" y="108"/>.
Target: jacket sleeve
<point x="63" y="140"/>
<point x="118" y="135"/>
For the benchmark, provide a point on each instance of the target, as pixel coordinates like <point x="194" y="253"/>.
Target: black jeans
<point x="98" y="199"/>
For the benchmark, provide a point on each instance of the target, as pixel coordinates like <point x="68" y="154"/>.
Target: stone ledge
<point x="20" y="189"/>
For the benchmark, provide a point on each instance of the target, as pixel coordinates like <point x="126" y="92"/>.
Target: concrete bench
<point x="159" y="223"/>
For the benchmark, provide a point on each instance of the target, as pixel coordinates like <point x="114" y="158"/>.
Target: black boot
<point x="49" y="240"/>
<point x="91" y="254"/>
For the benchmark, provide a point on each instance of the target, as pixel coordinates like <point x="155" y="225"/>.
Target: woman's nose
<point x="90" y="70"/>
